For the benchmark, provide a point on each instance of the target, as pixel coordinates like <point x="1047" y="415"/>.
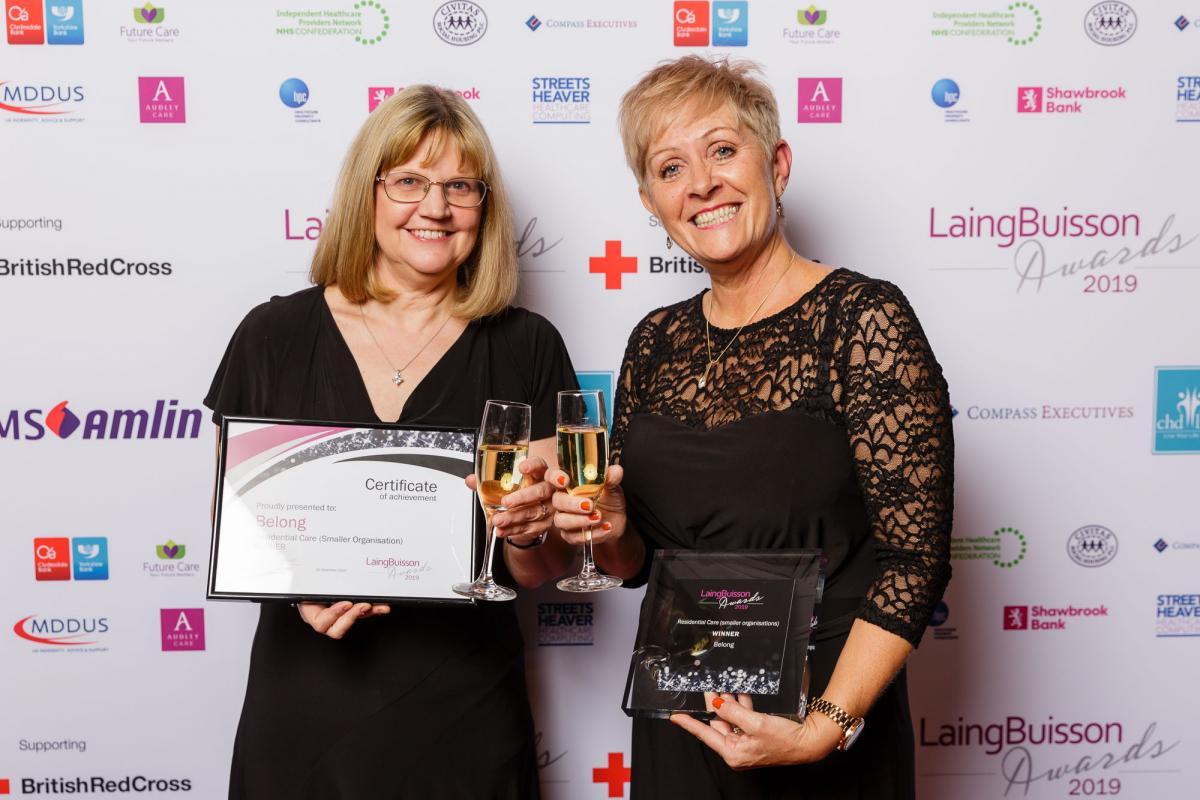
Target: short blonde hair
<point x="346" y="250"/>
<point x="693" y="80"/>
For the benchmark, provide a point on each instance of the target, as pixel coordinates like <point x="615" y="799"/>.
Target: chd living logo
<point x="165" y="421"/>
<point x="182" y="628"/>
<point x="565" y="624"/>
<point x="1048" y="618"/>
<point x="1176" y="410"/>
<point x="819" y="100"/>
<point x="55" y="633"/>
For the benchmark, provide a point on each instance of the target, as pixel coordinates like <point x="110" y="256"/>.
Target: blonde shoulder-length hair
<point x="417" y="116"/>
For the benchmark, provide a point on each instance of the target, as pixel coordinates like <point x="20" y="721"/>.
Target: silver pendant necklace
<point x="398" y="372"/>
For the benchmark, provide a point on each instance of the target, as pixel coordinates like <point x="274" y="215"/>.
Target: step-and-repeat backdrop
<point x="1025" y="171"/>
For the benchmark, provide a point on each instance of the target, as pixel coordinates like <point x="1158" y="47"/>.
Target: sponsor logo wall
<point x="170" y="166"/>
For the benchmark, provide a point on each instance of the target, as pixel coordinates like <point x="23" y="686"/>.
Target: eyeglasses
<point x="408" y="187"/>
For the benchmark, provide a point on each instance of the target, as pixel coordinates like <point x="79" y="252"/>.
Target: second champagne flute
<point x="503" y="445"/>
<point x="583" y="455"/>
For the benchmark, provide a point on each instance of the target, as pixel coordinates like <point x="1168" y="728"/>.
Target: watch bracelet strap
<point x="836" y="713"/>
<point x="538" y="542"/>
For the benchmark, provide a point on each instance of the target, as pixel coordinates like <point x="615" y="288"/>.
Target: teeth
<point x="422" y="233"/>
<point x="716" y="216"/>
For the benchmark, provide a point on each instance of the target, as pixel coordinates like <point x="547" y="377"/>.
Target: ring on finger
<point x="542" y="512"/>
<point x="737" y="731"/>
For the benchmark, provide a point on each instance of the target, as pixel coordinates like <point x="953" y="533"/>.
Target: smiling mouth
<point x="428" y="234"/>
<point x="716" y="216"/>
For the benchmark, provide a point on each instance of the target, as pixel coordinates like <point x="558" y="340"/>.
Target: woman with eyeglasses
<point x="409" y="321"/>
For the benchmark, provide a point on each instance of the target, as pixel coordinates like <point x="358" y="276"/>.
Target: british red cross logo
<point x="612" y="264"/>
<point x="616" y="774"/>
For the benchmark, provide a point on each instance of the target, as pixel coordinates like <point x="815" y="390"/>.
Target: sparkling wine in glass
<point x="503" y="445"/>
<point x="583" y="455"/>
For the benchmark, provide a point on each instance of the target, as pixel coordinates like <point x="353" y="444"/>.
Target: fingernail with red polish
<point x="585" y="505"/>
<point x="718" y="702"/>
<point x="561" y="480"/>
<point x="606" y="527"/>
<point x="594" y="516"/>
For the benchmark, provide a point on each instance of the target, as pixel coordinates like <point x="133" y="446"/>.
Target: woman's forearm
<point x="622" y="557"/>
<point x="869" y="661"/>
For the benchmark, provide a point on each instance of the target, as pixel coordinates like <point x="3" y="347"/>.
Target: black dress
<point x="424" y="702"/>
<point x="824" y="425"/>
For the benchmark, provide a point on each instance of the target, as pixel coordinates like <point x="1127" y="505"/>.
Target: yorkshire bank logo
<point x="819" y="100"/>
<point x="62" y="631"/>
<point x="161" y="100"/>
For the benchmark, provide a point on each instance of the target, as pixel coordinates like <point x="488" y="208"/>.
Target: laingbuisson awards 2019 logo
<point x="164" y="420"/>
<point x="1177" y="410"/>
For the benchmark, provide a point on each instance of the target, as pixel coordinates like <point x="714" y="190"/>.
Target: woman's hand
<point x="529" y="514"/>
<point x="605" y="513"/>
<point x="747" y="739"/>
<point x="333" y="621"/>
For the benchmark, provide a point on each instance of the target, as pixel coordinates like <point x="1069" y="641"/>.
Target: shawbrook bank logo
<point x="58" y="632"/>
<point x="165" y="420"/>
<point x="1049" y="618"/>
<point x="615" y="264"/>
<point x="1063" y="99"/>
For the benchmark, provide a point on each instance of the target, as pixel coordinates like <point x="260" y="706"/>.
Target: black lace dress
<point x="824" y="425"/>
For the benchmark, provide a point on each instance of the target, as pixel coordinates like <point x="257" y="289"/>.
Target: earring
<point x="779" y="206"/>
<point x="670" y="244"/>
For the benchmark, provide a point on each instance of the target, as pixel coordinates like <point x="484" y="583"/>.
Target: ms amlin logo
<point x="1177" y="410"/>
<point x="166" y="420"/>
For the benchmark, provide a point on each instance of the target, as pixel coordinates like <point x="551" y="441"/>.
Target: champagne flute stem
<point x="489" y="550"/>
<point x="589" y="563"/>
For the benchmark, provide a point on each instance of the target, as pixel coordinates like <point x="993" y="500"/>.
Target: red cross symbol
<point x="616" y="774"/>
<point x="613" y="265"/>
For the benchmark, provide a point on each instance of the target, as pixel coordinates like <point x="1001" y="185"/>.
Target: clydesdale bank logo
<point x="165" y="420"/>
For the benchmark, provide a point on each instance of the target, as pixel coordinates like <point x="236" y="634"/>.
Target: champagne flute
<point x="583" y="455"/>
<point x="503" y="445"/>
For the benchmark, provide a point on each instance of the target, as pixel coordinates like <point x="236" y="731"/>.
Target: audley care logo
<point x="182" y="628"/>
<point x="85" y="633"/>
<point x="1176" y="410"/>
<point x="164" y="421"/>
<point x="366" y="22"/>
<point x="161" y="100"/>
<point x="819" y="100"/>
<point x="41" y="102"/>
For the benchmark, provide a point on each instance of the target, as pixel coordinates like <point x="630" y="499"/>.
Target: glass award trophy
<point x="737" y="621"/>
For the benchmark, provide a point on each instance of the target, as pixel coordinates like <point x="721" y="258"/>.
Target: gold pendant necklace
<point x="707" y="336"/>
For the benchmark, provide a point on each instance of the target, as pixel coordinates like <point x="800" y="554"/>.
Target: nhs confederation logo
<point x="1177" y="410"/>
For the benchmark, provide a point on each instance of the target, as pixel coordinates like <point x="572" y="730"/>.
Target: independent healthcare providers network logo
<point x="61" y="24"/>
<point x="161" y="100"/>
<point x="1177" y="410"/>
<point x="59" y="558"/>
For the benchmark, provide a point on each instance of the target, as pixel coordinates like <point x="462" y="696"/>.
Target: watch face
<point x="852" y="734"/>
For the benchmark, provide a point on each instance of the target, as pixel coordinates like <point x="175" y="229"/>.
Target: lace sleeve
<point x="630" y="390"/>
<point x="897" y="412"/>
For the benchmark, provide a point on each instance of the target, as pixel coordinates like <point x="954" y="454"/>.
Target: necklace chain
<point x="707" y="336"/>
<point x="398" y="373"/>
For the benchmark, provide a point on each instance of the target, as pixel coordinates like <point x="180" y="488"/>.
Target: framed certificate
<point x="735" y="621"/>
<point x="329" y="511"/>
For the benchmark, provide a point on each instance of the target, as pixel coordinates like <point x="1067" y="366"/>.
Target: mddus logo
<point x="819" y="100"/>
<point x="165" y="421"/>
<point x="62" y="631"/>
<point x="30" y="100"/>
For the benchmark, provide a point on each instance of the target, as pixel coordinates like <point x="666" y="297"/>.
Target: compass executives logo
<point x="1177" y="410"/>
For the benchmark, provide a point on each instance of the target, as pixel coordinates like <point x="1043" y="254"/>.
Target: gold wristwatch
<point x="851" y="726"/>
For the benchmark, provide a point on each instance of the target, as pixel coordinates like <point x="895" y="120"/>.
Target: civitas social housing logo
<point x="561" y="99"/>
<point x="166" y="419"/>
<point x="105" y="267"/>
<point x="614" y="264"/>
<point x="62" y="22"/>
<point x="1110" y="23"/>
<point x="85" y="633"/>
<point x="460" y="22"/>
<point x="1177" y="410"/>
<point x="1092" y="546"/>
<point x="366" y="22"/>
<point x="100" y="785"/>
<point x="59" y="558"/>
<point x="22" y="102"/>
<point x="721" y="23"/>
<point x="150" y="25"/>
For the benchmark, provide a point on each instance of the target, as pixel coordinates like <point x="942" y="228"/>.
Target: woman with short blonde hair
<point x="789" y="406"/>
<point x="408" y="322"/>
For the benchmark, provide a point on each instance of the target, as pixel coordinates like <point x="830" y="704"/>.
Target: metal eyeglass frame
<point x="430" y="184"/>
